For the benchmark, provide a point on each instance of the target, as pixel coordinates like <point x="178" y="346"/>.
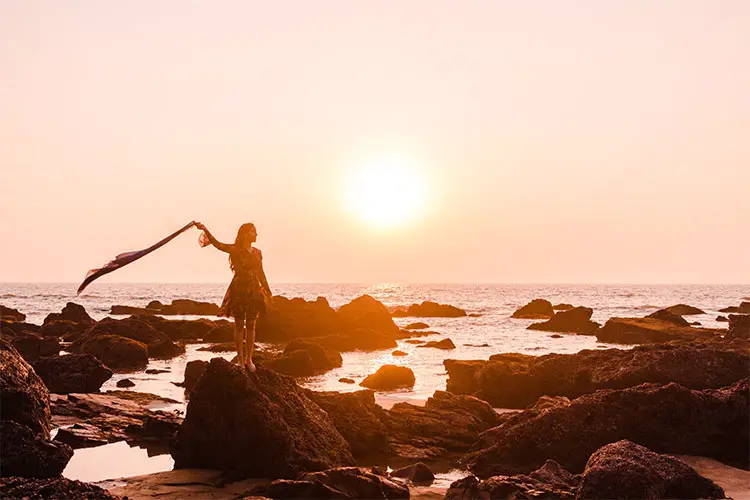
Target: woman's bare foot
<point x="250" y="365"/>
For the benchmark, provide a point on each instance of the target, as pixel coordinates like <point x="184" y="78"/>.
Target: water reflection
<point x="114" y="460"/>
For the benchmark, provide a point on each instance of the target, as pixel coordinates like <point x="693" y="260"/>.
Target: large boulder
<point x="117" y="352"/>
<point x="518" y="380"/>
<point x="417" y="473"/>
<point x="26" y="453"/>
<point x="23" y="396"/>
<point x="364" y="315"/>
<point x="57" y="488"/>
<point x="683" y="310"/>
<point x="739" y="326"/>
<point x="357" y="418"/>
<point x="669" y="317"/>
<point x="627" y="470"/>
<point x="322" y="359"/>
<point x="133" y="328"/>
<point x="72" y="373"/>
<point x="64" y="329"/>
<point x="648" y="330"/>
<point x="32" y="346"/>
<point x="428" y="309"/>
<point x="665" y="418"/>
<point x="297" y="318"/>
<point x="181" y="329"/>
<point x="389" y="378"/>
<point x="258" y="425"/>
<point x="194" y="370"/>
<point x="11" y="328"/>
<point x="576" y="320"/>
<point x="9" y="314"/>
<point x="445" y="344"/>
<point x="536" y="309"/>
<point x="71" y="312"/>
<point x="190" y="307"/>
<point x="223" y="332"/>
<point x="341" y="482"/>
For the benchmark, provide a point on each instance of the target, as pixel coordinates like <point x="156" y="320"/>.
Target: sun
<point x="386" y="193"/>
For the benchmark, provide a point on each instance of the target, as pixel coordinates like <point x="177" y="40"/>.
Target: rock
<point x="389" y="377"/>
<point x="258" y="425"/>
<point x="744" y="308"/>
<point x="695" y="323"/>
<point x="10" y="328"/>
<point x="220" y="334"/>
<point x="57" y="488"/>
<point x="23" y="396"/>
<point x="72" y="373"/>
<point x="182" y="329"/>
<point x="739" y="326"/>
<point x="443" y="344"/>
<point x="71" y="312"/>
<point x="164" y="349"/>
<point x="627" y="470"/>
<point x="6" y="313"/>
<point x="354" y="341"/>
<point x="418" y="473"/>
<point x="31" y="346"/>
<point x="399" y="353"/>
<point x="555" y="336"/>
<point x="683" y="310"/>
<point x="67" y="330"/>
<point x="416" y="326"/>
<point x="669" y="317"/>
<point x="29" y="454"/>
<point x="194" y="370"/>
<point x="125" y="382"/>
<point x="365" y="314"/>
<point x="342" y="482"/>
<point x="116" y="352"/>
<point x="357" y="418"/>
<point x="646" y="330"/>
<point x="288" y="319"/>
<point x="576" y="320"/>
<point x="415" y="341"/>
<point x="562" y="307"/>
<point x="518" y="380"/>
<point x="477" y="345"/>
<point x="666" y="418"/>
<point x="291" y="489"/>
<point x="133" y="328"/>
<point x="345" y="380"/>
<point x="428" y="309"/>
<point x="295" y="364"/>
<point x="536" y="309"/>
<point x="183" y="307"/>
<point x="222" y="347"/>
<point x="120" y="310"/>
<point x="155" y="371"/>
<point x="322" y="359"/>
<point x="723" y="319"/>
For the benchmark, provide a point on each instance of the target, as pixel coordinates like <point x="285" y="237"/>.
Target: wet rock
<point x="357" y="418"/>
<point x="536" y="309"/>
<point x="322" y="359"/>
<point x="399" y="353"/>
<point x="683" y="310"/>
<point x="442" y="344"/>
<point x="357" y="341"/>
<point x="744" y="308"/>
<point x="194" y="370"/>
<point x="555" y="336"/>
<point x="295" y="364"/>
<point x="23" y="396"/>
<point x="64" y="329"/>
<point x="155" y="371"/>
<point x="477" y="345"/>
<point x="29" y="454"/>
<point x="723" y="319"/>
<point x="357" y="482"/>
<point x="295" y="489"/>
<point x="181" y="329"/>
<point x="57" y="488"/>
<point x="418" y="473"/>
<point x="288" y="319"/>
<point x="390" y="377"/>
<point x="562" y="307"/>
<point x="116" y="352"/>
<point x="165" y="349"/>
<point x="739" y="326"/>
<point x="258" y="425"/>
<point x="416" y="326"/>
<point x="9" y="314"/>
<point x="72" y="373"/>
<point x="32" y="346"/>
<point x="665" y="418"/>
<point x="627" y="470"/>
<point x="648" y="330"/>
<point x="576" y="320"/>
<point x="9" y="328"/>
<point x="220" y="334"/>
<point x="517" y="380"/>
<point x="71" y="312"/>
<point x="415" y="341"/>
<point x="182" y="307"/>
<point x="428" y="309"/>
<point x="222" y="347"/>
<point x="365" y="316"/>
<point x="120" y="310"/>
<point x="345" y="380"/>
<point x="669" y="317"/>
<point x="125" y="382"/>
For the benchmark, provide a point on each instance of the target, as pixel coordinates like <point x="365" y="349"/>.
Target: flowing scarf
<point x="126" y="258"/>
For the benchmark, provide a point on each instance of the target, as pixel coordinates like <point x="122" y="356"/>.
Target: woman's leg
<point x="251" y="317"/>
<point x="239" y="337"/>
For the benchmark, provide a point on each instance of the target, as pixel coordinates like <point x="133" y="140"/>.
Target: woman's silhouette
<point x="248" y="294"/>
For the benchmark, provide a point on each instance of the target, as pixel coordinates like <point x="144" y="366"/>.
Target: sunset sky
<point x="580" y="141"/>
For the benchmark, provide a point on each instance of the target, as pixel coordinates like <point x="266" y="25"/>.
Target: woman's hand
<point x="200" y="226"/>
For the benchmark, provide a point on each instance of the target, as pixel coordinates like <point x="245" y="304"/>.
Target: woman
<point x="248" y="294"/>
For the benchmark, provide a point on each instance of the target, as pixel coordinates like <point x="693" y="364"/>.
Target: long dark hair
<point x="239" y="241"/>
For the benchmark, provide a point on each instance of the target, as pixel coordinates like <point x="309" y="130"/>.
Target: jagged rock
<point x="536" y="309"/>
<point x="357" y="418"/>
<point x="165" y="349"/>
<point x="288" y="319"/>
<point x="365" y="316"/>
<point x="8" y="313"/>
<point x="31" y="346"/>
<point x="57" y="488"/>
<point x="64" y="329"/>
<point x="220" y="334"/>
<point x="345" y="380"/>
<point x="125" y="383"/>
<point x="10" y="328"/>
<point x="428" y="309"/>
<point x="442" y="344"/>
<point x="116" y="352"/>
<point x="72" y="373"/>
<point x="29" y="454"/>
<point x="627" y="470"/>
<point x="669" y="317"/>
<point x="182" y="329"/>
<point x="194" y="370"/>
<point x="399" y="353"/>
<point x="648" y="330"/>
<point x="183" y="307"/>
<point x="723" y="319"/>
<point x="23" y="396"/>
<point x="295" y="364"/>
<point x="683" y="310"/>
<point x="562" y="307"/>
<point x="71" y="312"/>
<point x="576" y="320"/>
<point x="416" y="326"/>
<point x="259" y="425"/>
<point x="744" y="308"/>
<point x="739" y="326"/>
<point x="342" y="482"/>
<point x="666" y="418"/>
<point x="418" y="473"/>
<point x="518" y="380"/>
<point x="322" y="359"/>
<point x="389" y="377"/>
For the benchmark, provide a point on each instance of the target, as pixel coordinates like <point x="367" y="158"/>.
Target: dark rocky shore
<point x="595" y="424"/>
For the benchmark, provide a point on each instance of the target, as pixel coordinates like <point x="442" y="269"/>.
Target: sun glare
<point x="386" y="193"/>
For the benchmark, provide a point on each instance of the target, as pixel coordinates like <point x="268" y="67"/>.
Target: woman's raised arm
<point x="224" y="247"/>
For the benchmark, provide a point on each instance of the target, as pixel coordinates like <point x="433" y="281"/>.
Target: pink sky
<point x="586" y="141"/>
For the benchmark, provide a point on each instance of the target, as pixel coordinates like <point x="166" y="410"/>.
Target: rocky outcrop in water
<point x="116" y="352"/>
<point x="257" y="425"/>
<point x="9" y="314"/>
<point x="445" y="344"/>
<point x="71" y="312"/>
<point x="517" y="380"/>
<point x="72" y="373"/>
<point x="683" y="310"/>
<point x="10" y="328"/>
<point x="418" y="473"/>
<point x="32" y="346"/>
<point x="390" y="377"/>
<point x="23" y="396"/>
<point x="536" y="309"/>
<point x="665" y="418"/>
<point x="650" y="330"/>
<point x="744" y="308"/>
<point x="739" y="326"/>
<point x="575" y="320"/>
<point x="428" y="309"/>
<point x="627" y="470"/>
<point x="669" y="317"/>
<point x="182" y="307"/>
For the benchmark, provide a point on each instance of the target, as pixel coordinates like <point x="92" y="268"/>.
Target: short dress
<point x="245" y="295"/>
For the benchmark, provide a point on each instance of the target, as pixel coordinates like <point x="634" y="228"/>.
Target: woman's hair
<point x="239" y="241"/>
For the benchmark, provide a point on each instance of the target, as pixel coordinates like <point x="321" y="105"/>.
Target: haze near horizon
<point x="404" y="142"/>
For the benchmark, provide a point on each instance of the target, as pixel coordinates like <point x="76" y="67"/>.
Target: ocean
<point x="493" y="326"/>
